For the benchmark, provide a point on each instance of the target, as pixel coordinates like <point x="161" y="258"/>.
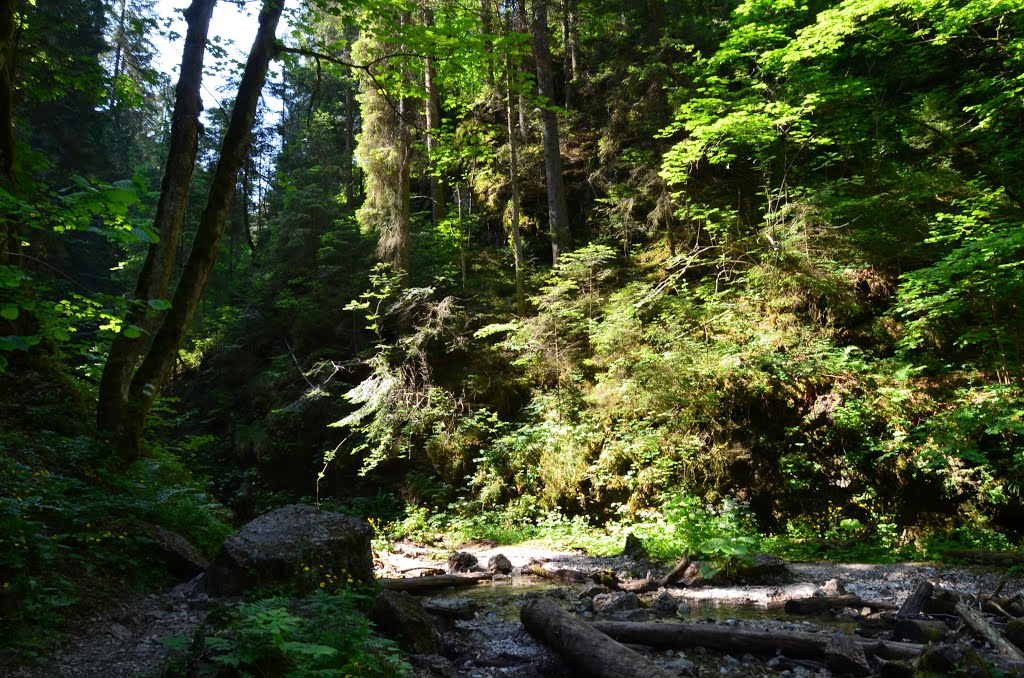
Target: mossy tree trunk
<point x="133" y="407"/>
<point x="144" y="313"/>
<point x="558" y="217"/>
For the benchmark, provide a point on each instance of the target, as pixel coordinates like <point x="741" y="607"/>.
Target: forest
<point x="712" y="277"/>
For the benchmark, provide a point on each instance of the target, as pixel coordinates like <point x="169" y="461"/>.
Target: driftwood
<point x="987" y="556"/>
<point x="586" y="650"/>
<point x="981" y="628"/>
<point x="653" y="584"/>
<point x="796" y="644"/>
<point x="822" y="604"/>
<point x="562" y="576"/>
<point x="915" y="602"/>
<point x="417" y="584"/>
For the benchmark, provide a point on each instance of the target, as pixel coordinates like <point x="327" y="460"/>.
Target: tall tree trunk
<point x="6" y="94"/>
<point x="558" y="211"/>
<point x="513" y="172"/>
<point x="486" y="25"/>
<point x="143" y="313"/>
<point x="571" y="47"/>
<point x="119" y="39"/>
<point x="162" y="354"/>
<point x="438" y="209"/>
<point x="246" y="221"/>
<point x="405" y="109"/>
<point x="349" y="173"/>
<point x="522" y="25"/>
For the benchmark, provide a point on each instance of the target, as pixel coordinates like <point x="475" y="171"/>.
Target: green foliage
<point x="70" y="527"/>
<point x="324" y="634"/>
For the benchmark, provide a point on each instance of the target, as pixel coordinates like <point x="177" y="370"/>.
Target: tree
<point x="558" y="211"/>
<point x="125" y="400"/>
<point x="385" y="150"/>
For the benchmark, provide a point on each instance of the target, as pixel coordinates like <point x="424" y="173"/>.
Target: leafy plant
<point x="318" y="636"/>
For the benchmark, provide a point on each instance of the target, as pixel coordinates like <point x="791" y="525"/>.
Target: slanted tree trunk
<point x="558" y="211"/>
<point x="162" y="354"/>
<point x="438" y="209"/>
<point x="112" y="411"/>
<point x="513" y="171"/>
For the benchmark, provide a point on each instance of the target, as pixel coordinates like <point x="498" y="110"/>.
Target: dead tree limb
<point x="796" y="644"/>
<point x="822" y="604"/>
<point x="984" y="630"/>
<point x="430" y="583"/>
<point x="650" y="584"/>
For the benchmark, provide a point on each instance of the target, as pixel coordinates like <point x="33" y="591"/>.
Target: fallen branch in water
<point x="429" y="583"/>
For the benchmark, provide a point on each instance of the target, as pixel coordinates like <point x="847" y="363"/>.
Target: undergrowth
<point x="73" y="533"/>
<point x="320" y="635"/>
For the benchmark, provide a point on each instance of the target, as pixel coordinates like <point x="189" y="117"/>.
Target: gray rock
<point x="277" y="547"/>
<point x="594" y="590"/>
<point x="400" y="616"/>
<point x="499" y="564"/>
<point x="834" y="587"/>
<point x="681" y="666"/>
<point x="617" y="601"/>
<point x="845" y="658"/>
<point x="461" y="562"/>
<point x="664" y="604"/>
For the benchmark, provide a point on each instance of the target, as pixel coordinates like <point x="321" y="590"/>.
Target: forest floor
<point x="131" y="637"/>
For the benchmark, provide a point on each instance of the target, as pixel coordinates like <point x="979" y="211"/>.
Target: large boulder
<point x="292" y="546"/>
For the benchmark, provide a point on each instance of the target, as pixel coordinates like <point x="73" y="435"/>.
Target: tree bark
<point x="558" y="211"/>
<point x="162" y="354"/>
<point x="821" y="604"/>
<point x="114" y="392"/>
<point x="981" y="628"/>
<point x="438" y="209"/>
<point x="430" y="583"/>
<point x="513" y="174"/>
<point x="586" y="650"/>
<point x="405" y="106"/>
<point x="796" y="644"/>
<point x="7" y="88"/>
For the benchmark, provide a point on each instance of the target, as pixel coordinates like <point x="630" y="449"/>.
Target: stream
<point x="125" y="641"/>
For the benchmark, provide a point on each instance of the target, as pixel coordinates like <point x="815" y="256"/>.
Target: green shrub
<point x="322" y="635"/>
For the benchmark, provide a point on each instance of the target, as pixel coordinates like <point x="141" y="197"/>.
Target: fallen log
<point x="652" y="584"/>
<point x="587" y="651"/>
<point x="981" y="627"/>
<point x="797" y="644"/>
<point x="429" y="583"/>
<point x="987" y="556"/>
<point x="822" y="604"/>
<point x="915" y="602"/>
<point x="561" y="576"/>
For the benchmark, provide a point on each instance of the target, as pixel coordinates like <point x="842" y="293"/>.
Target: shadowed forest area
<point x="734" y="278"/>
